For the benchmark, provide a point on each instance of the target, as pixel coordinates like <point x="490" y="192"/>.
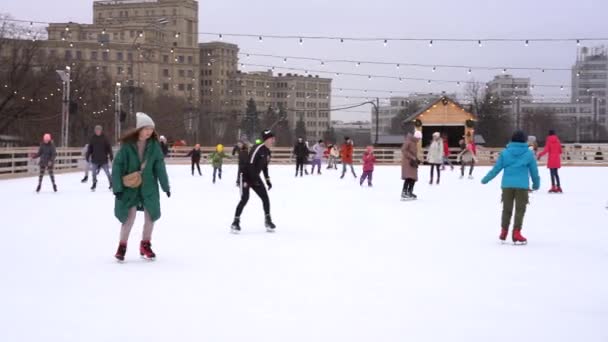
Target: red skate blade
<point x="147" y="258"/>
<point x="520" y="243"/>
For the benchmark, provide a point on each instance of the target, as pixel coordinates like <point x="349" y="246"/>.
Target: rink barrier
<point x="17" y="162"/>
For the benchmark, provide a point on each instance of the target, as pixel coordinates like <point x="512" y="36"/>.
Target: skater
<point x="164" y="146"/>
<point x="195" y="158"/>
<point x="217" y="160"/>
<point x="87" y="165"/>
<point x="318" y="150"/>
<point x="446" y="153"/>
<point x="409" y="165"/>
<point x="257" y="162"/>
<point x="369" y="159"/>
<point x="435" y="156"/>
<point x="346" y="154"/>
<point x="47" y="154"/>
<point x="243" y="154"/>
<point x="519" y="166"/>
<point x="334" y="155"/>
<point x="467" y="156"/>
<point x="98" y="154"/>
<point x="553" y="147"/>
<point x="138" y="169"/>
<point x="300" y="152"/>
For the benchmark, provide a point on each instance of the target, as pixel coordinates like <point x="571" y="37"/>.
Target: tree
<point x="493" y="123"/>
<point x="330" y="136"/>
<point x="539" y="121"/>
<point x="301" y="129"/>
<point x="397" y="122"/>
<point x="250" y="123"/>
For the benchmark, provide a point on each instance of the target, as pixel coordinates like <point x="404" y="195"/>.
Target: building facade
<point x="590" y="80"/>
<point x="509" y="88"/>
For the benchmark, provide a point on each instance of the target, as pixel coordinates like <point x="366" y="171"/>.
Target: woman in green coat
<point x="140" y="151"/>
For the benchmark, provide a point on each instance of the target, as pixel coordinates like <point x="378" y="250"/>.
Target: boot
<point x="85" y="179"/>
<point x="518" y="238"/>
<point x="94" y="186"/>
<point x="270" y="227"/>
<point x="553" y="189"/>
<point x="122" y="250"/>
<point x="235" y="228"/>
<point x="437" y="181"/>
<point x="110" y="187"/>
<point x="38" y="187"/>
<point x="405" y="196"/>
<point x="503" y="234"/>
<point x="431" y="182"/>
<point x="558" y="190"/>
<point x="54" y="187"/>
<point x="145" y="250"/>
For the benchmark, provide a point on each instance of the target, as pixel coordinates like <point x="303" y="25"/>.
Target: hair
<point x="320" y="141"/>
<point x="133" y="135"/>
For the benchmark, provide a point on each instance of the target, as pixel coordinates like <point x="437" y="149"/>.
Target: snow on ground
<point x="346" y="264"/>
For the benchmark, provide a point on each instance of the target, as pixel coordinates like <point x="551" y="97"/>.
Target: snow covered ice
<point x="346" y="263"/>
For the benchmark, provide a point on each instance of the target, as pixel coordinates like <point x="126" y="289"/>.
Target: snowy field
<point x="346" y="263"/>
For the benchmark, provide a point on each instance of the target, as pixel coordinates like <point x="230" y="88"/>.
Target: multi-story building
<point x="590" y="79"/>
<point x="509" y="88"/>
<point x="226" y="90"/>
<point x="576" y="120"/>
<point x="147" y="44"/>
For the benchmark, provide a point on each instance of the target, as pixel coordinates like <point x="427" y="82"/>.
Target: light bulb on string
<point x="322" y="63"/>
<point x="337" y="74"/>
<point x="504" y="71"/>
<point x="400" y="80"/>
<point x="429" y="82"/>
<point x="479" y="42"/>
<point x="341" y="40"/>
<point x="398" y="66"/>
<point x="385" y="42"/>
<point x="434" y="69"/>
<point x="469" y="72"/>
<point x="431" y="43"/>
<point x="260" y="39"/>
<point x="561" y="88"/>
<point x="578" y="42"/>
<point x="369" y="77"/>
<point x="358" y="64"/>
<point x="458" y="83"/>
<point x="527" y="42"/>
<point x="221" y="36"/>
<point x="301" y="42"/>
<point x="284" y="60"/>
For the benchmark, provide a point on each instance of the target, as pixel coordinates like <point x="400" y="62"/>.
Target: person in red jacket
<point x="446" y="153"/>
<point x="369" y="159"/>
<point x="346" y="153"/>
<point x="553" y="147"/>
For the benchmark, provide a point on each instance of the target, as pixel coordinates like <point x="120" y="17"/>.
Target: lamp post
<point x="65" y="105"/>
<point x="117" y="110"/>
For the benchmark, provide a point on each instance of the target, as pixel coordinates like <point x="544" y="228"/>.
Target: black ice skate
<point x="54" y="187"/>
<point x="236" y="226"/>
<point x="270" y="227"/>
<point x="38" y="187"/>
<point x="94" y="186"/>
<point x="85" y="179"/>
<point x="110" y="187"/>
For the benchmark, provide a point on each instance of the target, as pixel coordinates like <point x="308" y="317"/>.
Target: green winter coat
<point x="147" y="195"/>
<point x="217" y="158"/>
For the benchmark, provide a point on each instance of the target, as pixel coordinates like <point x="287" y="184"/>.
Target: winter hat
<point x="418" y="134"/>
<point x="98" y="128"/>
<point x="267" y="134"/>
<point x="143" y="120"/>
<point x="436" y="135"/>
<point x="551" y="132"/>
<point x="219" y="147"/>
<point x="47" y="137"/>
<point x="519" y="136"/>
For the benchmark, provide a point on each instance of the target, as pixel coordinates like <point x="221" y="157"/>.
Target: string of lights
<point x="398" y="65"/>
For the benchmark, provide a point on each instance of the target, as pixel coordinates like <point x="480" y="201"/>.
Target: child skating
<point x="369" y="160"/>
<point x="346" y="154"/>
<point x="519" y="165"/>
<point x="195" y="158"/>
<point x="553" y="147"/>
<point x="435" y="156"/>
<point x="217" y="160"/>
<point x="467" y="157"/>
<point x="47" y="153"/>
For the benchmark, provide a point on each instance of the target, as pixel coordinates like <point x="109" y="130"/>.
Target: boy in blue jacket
<point x="519" y="166"/>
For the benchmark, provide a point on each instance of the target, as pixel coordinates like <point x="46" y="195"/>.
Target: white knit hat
<point x="418" y="134"/>
<point x="143" y="120"/>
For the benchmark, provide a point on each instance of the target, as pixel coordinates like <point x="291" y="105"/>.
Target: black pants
<point x="555" y="178"/>
<point x="259" y="189"/>
<point x="51" y="173"/>
<point x="300" y="166"/>
<point x="215" y="172"/>
<point x="470" y="170"/>
<point x="198" y="167"/>
<point x="408" y="186"/>
<point x="438" y="167"/>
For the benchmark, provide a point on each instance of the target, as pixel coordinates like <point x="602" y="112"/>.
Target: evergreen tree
<point x="301" y="129"/>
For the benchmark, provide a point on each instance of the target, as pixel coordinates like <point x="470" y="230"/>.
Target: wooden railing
<point x="18" y="161"/>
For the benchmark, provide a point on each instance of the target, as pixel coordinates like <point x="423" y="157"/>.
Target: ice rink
<point x="346" y="263"/>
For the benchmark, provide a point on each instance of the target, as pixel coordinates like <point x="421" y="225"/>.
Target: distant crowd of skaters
<point x="139" y="168"/>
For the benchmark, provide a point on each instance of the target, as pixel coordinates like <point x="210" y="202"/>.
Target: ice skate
<point x="235" y="228"/>
<point x="38" y="187"/>
<point x="559" y="190"/>
<point x="503" y="234"/>
<point x="54" y="187"/>
<point x="518" y="239"/>
<point x="406" y="196"/>
<point x="85" y="179"/>
<point x="553" y="189"/>
<point x="431" y="181"/>
<point x="471" y="177"/>
<point x="270" y="227"/>
<point x="145" y="250"/>
<point x="461" y="177"/>
<point x="94" y="186"/>
<point x="120" y="253"/>
<point x="110" y="187"/>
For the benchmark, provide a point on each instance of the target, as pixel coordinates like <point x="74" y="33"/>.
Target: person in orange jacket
<point x="346" y="153"/>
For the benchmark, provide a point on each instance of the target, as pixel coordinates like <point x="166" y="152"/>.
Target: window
<point x="190" y="87"/>
<point x="165" y="72"/>
<point x="119" y="56"/>
<point x="165" y="86"/>
<point x="104" y="69"/>
<point x="122" y="35"/>
<point x="130" y="56"/>
<point x="94" y="55"/>
<point x="182" y="73"/>
<point x="181" y="87"/>
<point x="180" y="59"/>
<point x="105" y="55"/>
<point x="79" y="55"/>
<point x="130" y="71"/>
<point x="165" y="59"/>
<point x="190" y="60"/>
<point x="115" y="36"/>
<point x="68" y="55"/>
<point x="190" y="73"/>
<point x="119" y="70"/>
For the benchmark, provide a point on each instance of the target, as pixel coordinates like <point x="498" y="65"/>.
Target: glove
<point x="484" y="181"/>
<point x="168" y="194"/>
<point x="268" y="183"/>
<point x="118" y="195"/>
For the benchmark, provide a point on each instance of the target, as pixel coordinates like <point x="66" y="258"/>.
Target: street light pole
<point x="65" y="106"/>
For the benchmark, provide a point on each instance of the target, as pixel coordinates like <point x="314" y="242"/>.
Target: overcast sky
<point x="388" y="18"/>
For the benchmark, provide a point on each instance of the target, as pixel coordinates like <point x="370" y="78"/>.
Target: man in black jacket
<point x="300" y="152"/>
<point x="258" y="160"/>
<point x="98" y="153"/>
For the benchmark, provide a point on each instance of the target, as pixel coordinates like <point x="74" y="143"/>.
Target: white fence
<point x="16" y="162"/>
